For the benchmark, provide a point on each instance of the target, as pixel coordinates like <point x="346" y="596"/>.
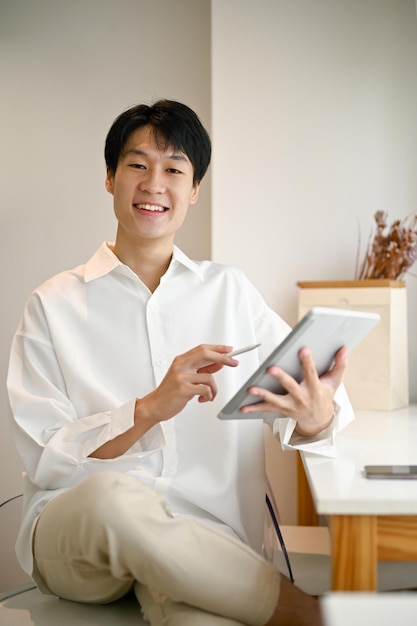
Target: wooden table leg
<point x="354" y="552"/>
<point x="397" y="537"/>
<point x="306" y="511"/>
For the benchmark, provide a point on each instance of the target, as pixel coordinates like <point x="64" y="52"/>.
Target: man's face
<point x="152" y="189"/>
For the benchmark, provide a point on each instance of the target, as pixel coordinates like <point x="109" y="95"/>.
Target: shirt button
<point x="159" y="361"/>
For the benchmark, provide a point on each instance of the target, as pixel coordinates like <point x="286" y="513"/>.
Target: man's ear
<point x="194" y="193"/>
<point x="109" y="181"/>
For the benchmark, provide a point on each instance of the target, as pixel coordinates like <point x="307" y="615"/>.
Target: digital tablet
<point x="323" y="331"/>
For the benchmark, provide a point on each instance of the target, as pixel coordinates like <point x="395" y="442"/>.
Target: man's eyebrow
<point x="176" y="156"/>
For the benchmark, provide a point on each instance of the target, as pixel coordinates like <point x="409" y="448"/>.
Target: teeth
<point x="151" y="207"/>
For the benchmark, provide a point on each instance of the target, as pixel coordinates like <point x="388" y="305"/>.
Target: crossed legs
<point x="95" y="541"/>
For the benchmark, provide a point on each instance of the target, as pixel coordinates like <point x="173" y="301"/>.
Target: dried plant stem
<point x="391" y="250"/>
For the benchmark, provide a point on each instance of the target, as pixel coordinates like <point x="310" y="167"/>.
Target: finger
<point x="335" y="375"/>
<point x="286" y="381"/>
<point x="206" y="393"/>
<point x="341" y="357"/>
<point x="205" y="354"/>
<point x="268" y="401"/>
<point x="212" y="368"/>
<point x="219" y="348"/>
<point x="211" y="358"/>
<point x="203" y="358"/>
<point x="203" y="385"/>
<point x="311" y="376"/>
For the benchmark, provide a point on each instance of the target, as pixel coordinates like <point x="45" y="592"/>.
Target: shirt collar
<point x="179" y="256"/>
<point x="105" y="261"/>
<point x="101" y="263"/>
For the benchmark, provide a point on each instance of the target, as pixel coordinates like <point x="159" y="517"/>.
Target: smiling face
<point x="152" y="189"/>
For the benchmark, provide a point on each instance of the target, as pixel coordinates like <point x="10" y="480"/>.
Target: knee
<point x="104" y="489"/>
<point x="98" y="485"/>
<point x="112" y="493"/>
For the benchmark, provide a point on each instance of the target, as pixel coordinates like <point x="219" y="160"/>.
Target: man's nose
<point x="152" y="181"/>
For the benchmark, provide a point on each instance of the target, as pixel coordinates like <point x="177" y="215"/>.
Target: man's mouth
<point x="153" y="208"/>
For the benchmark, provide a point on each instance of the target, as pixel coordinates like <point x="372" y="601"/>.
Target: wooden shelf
<point x="352" y="284"/>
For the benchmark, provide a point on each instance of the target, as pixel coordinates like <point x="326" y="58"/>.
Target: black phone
<point x="391" y="471"/>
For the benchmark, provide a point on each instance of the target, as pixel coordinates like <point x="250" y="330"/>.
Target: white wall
<point x="67" y="69"/>
<point x="314" y="125"/>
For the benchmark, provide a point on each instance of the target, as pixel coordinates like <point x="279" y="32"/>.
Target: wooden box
<point x="377" y="373"/>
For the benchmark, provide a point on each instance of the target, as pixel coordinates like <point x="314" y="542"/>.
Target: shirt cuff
<point x="122" y="418"/>
<point x="322" y="443"/>
<point x="79" y="439"/>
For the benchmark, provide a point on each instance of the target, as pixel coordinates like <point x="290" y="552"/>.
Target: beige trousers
<point x="95" y="541"/>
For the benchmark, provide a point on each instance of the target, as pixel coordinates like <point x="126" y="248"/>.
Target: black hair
<point x="174" y="125"/>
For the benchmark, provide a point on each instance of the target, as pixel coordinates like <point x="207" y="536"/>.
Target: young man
<point x="118" y="370"/>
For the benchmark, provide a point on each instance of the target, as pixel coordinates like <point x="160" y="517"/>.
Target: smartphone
<point x="391" y="471"/>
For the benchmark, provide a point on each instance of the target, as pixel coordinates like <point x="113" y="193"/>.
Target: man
<point x="118" y="370"/>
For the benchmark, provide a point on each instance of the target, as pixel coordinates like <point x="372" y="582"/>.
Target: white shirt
<point x="93" y="339"/>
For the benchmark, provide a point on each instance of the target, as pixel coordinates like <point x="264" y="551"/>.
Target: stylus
<point x="245" y="349"/>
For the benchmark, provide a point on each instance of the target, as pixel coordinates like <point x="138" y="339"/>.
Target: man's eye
<point x="172" y="170"/>
<point x="137" y="166"/>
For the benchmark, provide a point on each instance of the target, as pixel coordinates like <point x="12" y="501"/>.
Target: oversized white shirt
<point x="93" y="339"/>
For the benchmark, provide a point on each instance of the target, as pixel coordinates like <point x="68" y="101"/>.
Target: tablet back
<point x="323" y="331"/>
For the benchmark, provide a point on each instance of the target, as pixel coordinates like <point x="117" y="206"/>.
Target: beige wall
<point x="314" y="125"/>
<point x="67" y="69"/>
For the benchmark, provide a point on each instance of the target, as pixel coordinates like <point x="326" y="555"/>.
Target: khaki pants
<point x="95" y="541"/>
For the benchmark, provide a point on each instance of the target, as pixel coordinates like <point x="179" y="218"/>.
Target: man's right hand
<point x="190" y="375"/>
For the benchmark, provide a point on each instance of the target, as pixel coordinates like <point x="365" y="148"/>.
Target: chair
<point x="29" y="607"/>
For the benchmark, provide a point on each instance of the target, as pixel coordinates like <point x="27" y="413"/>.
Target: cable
<point x="280" y="537"/>
<point x="11" y="499"/>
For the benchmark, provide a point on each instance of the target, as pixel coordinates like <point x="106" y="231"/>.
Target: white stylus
<point x="245" y="349"/>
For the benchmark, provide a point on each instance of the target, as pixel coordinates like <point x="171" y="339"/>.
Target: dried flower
<point x="390" y="254"/>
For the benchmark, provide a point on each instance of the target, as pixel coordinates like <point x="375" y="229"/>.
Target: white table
<point x="345" y="609"/>
<point x="369" y="520"/>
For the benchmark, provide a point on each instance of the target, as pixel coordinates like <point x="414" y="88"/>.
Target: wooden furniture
<point x="377" y="377"/>
<point x="369" y="520"/>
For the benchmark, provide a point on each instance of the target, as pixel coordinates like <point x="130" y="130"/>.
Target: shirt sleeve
<point x="53" y="442"/>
